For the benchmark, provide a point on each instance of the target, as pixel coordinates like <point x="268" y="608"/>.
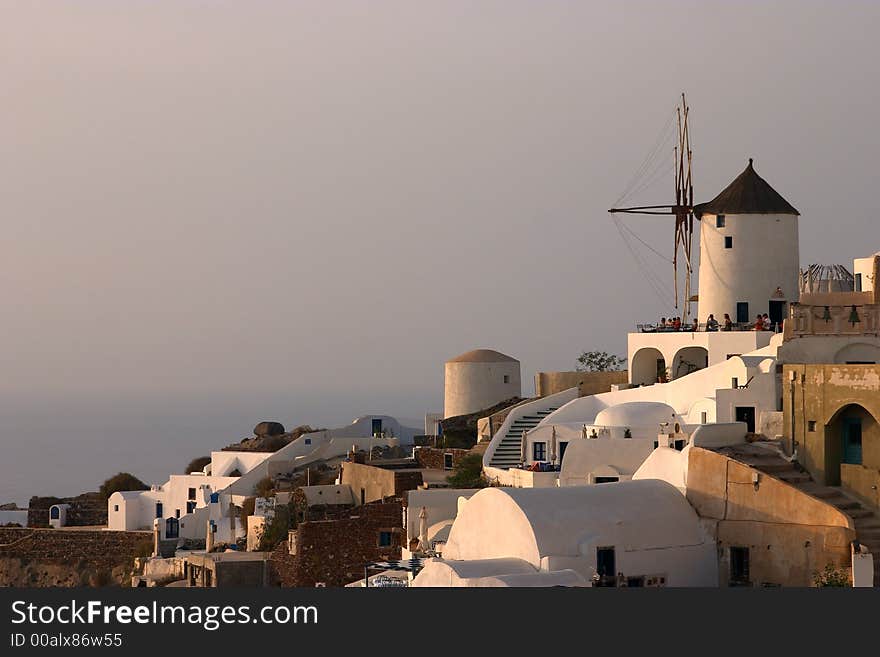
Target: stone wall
<point x="587" y="383"/>
<point x="56" y="557"/>
<point x="334" y="551"/>
<point x="304" y="512"/>
<point x="432" y="458"/>
<point x="86" y="510"/>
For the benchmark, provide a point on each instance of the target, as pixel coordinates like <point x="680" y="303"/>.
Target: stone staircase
<point x="507" y="454"/>
<point x="768" y="459"/>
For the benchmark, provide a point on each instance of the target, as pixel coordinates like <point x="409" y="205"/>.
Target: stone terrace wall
<point x="404" y="481"/>
<point x="85" y="510"/>
<point x="432" y="458"/>
<point x="334" y="551"/>
<point x="53" y="557"/>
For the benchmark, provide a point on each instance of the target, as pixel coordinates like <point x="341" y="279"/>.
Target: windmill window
<point x="719" y="221"/>
<point x="506" y="378"/>
<point x="728" y="242"/>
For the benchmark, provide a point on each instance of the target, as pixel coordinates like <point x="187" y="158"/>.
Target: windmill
<point x="682" y="209"/>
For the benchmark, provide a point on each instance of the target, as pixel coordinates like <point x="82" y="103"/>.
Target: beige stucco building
<point x="831" y="411"/>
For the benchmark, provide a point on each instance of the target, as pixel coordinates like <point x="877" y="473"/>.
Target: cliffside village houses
<point x="735" y="452"/>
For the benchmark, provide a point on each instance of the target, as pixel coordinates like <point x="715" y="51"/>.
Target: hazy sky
<point x="216" y="213"/>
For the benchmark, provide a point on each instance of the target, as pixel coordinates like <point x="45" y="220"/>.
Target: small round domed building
<point x="479" y="379"/>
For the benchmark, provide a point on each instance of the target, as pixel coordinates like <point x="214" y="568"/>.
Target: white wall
<point x="440" y="504"/>
<point x="688" y="395"/>
<point x="603" y="457"/>
<point x="361" y="427"/>
<point x="475" y="386"/>
<point x="224" y="462"/>
<point x="718" y="345"/>
<point x="764" y="256"/>
<point x="865" y="267"/>
<point x="651" y="525"/>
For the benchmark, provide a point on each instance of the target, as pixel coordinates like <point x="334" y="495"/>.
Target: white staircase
<point x="509" y="450"/>
<point x="505" y="448"/>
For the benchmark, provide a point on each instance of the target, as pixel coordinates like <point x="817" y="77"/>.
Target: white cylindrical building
<point x="479" y="379"/>
<point x="749" y="259"/>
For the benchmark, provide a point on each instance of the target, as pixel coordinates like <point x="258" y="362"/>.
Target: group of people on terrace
<point x="761" y="323"/>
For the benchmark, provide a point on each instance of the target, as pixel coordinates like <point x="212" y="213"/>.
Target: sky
<point x="216" y="213"/>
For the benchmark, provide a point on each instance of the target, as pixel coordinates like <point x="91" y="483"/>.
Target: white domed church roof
<point x="635" y="414"/>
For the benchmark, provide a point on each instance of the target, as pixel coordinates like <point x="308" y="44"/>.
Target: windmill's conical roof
<point x="748" y="194"/>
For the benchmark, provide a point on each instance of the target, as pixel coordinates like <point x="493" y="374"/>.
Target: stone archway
<point x="852" y="440"/>
<point x="648" y="366"/>
<point x="689" y="359"/>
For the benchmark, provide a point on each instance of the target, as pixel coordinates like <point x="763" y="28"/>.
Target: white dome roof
<point x="635" y="414"/>
<point x="482" y="356"/>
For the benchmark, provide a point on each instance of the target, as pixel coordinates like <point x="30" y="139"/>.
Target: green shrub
<point x="265" y="487"/>
<point x="121" y="482"/>
<point x="197" y="464"/>
<point x="276" y="528"/>
<point x="144" y="548"/>
<point x="247" y="509"/>
<point x="468" y="473"/>
<point x="831" y="576"/>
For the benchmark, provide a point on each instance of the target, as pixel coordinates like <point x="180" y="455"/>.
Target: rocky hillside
<point x="269" y="437"/>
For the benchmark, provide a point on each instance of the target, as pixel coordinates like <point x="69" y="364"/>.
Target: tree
<point x="599" y="361"/>
<point x="265" y="487"/>
<point x="276" y="528"/>
<point x="468" y="473"/>
<point x="197" y="464"/>
<point x="121" y="482"/>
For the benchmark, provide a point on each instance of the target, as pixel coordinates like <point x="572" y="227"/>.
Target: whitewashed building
<point x="644" y="531"/>
<point x="187" y="505"/>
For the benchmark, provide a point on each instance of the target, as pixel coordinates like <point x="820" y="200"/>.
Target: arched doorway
<point x="858" y="353"/>
<point x="852" y="438"/>
<point x="648" y="366"/>
<point x="689" y="359"/>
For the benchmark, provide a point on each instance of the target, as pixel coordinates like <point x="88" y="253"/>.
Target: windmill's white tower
<point x="749" y="255"/>
<point x="479" y="379"/>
